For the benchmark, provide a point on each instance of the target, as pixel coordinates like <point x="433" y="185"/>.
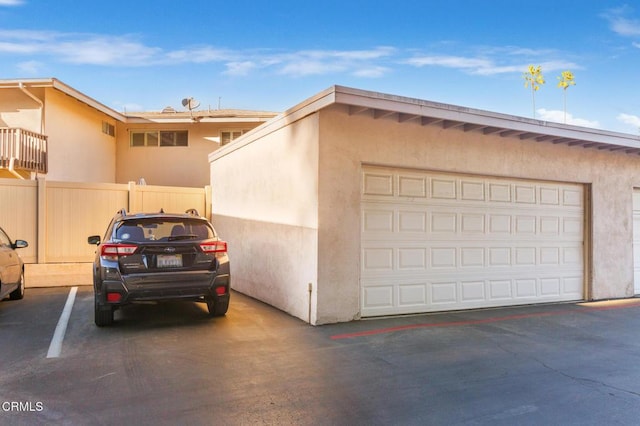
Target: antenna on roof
<point x="191" y="104"/>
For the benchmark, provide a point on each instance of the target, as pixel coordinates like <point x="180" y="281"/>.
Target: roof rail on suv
<point x="192" y="212"/>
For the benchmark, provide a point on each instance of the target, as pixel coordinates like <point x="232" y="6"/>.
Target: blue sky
<point x="270" y="55"/>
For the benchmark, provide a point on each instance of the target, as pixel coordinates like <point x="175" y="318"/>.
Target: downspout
<point x="38" y="101"/>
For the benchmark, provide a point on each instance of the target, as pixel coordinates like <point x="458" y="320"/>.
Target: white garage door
<point x="436" y="241"/>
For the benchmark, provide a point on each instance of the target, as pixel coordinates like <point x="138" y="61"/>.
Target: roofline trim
<point x="298" y="112"/>
<point x="449" y="116"/>
<point x="66" y="89"/>
<point x="398" y="104"/>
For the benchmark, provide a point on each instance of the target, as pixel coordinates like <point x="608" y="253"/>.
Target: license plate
<point x="169" y="261"/>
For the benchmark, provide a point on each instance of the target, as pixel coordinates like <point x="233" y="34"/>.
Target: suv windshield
<point x="162" y="229"/>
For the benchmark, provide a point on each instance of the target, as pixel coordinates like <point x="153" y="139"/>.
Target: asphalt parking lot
<point x="171" y="364"/>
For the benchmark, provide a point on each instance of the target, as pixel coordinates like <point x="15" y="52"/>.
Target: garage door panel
<point x="444" y="293"/>
<point x="472" y="190"/>
<point x="379" y="297"/>
<point x="412" y="295"/>
<point x="412" y="221"/>
<point x="573" y="197"/>
<point x="550" y="287"/>
<point x="499" y="192"/>
<point x="412" y="258"/>
<point x="378" y="221"/>
<point x="378" y="259"/>
<point x="412" y="186"/>
<point x="500" y="289"/>
<point x="526" y="288"/>
<point x="471" y="258"/>
<point x="472" y="291"/>
<point x="378" y="184"/>
<point x="573" y="286"/>
<point x="444" y="241"/>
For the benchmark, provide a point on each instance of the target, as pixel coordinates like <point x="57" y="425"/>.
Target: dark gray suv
<point x="159" y="256"/>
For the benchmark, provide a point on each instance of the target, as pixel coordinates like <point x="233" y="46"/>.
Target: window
<point x="153" y="229"/>
<point x="159" y="138"/>
<point x="108" y="129"/>
<point x="226" y="136"/>
<point x="174" y="138"/>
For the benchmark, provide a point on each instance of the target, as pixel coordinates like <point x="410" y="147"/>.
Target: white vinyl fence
<point x="57" y="217"/>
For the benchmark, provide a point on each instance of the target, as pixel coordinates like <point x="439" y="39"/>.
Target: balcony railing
<point x="23" y="150"/>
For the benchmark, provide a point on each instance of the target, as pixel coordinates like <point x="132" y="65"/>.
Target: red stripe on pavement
<point x="473" y="322"/>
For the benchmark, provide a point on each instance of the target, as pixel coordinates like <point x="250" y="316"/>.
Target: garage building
<point x="359" y="204"/>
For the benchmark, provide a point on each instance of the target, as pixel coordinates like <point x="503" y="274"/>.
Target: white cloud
<point x="632" y="120"/>
<point x="106" y="51"/>
<point x="11" y="2"/>
<point x="240" y="68"/>
<point x="485" y="66"/>
<point x="559" y="117"/>
<point x="30" y="67"/>
<point x="361" y="63"/>
<point x="129" y="51"/>
<point x="372" y="72"/>
<point x="621" y="24"/>
<point x="304" y="67"/>
<point x="201" y="54"/>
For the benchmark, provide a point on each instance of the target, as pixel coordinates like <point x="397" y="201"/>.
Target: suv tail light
<point x="113" y="251"/>
<point x="214" y="247"/>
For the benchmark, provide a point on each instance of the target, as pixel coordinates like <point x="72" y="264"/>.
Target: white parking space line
<point x="58" y="336"/>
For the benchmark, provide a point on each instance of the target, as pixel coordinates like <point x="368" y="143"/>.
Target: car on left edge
<point x="11" y="268"/>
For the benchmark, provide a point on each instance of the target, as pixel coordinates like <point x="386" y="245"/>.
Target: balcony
<point x="22" y="150"/>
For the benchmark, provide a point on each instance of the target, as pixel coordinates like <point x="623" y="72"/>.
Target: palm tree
<point x="533" y="77"/>
<point x="564" y="81"/>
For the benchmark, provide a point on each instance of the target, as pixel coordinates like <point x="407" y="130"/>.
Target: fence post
<point x="133" y="205"/>
<point x="41" y="215"/>
<point x="208" y="210"/>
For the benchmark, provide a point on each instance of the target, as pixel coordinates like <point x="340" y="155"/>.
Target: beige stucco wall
<point x="264" y="203"/>
<point x="348" y="141"/>
<point x="288" y="200"/>
<point x="170" y="166"/>
<point x="78" y="149"/>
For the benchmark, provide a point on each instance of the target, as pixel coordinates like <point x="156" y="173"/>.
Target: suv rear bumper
<point x="165" y="286"/>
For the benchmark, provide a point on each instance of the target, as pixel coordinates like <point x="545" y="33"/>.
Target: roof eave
<point x="63" y="88"/>
<point x="467" y="119"/>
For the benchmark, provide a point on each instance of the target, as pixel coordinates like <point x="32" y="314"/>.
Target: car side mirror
<point x="20" y="244"/>
<point x="94" y="239"/>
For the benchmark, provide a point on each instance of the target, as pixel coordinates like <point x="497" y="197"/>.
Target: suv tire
<point x="217" y="309"/>
<point x="103" y="315"/>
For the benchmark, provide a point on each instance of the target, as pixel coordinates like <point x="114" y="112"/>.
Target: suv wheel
<point x="103" y="315"/>
<point x="18" y="293"/>
<point x="217" y="308"/>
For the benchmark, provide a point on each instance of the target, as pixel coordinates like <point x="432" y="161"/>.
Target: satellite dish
<point x="190" y="103"/>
